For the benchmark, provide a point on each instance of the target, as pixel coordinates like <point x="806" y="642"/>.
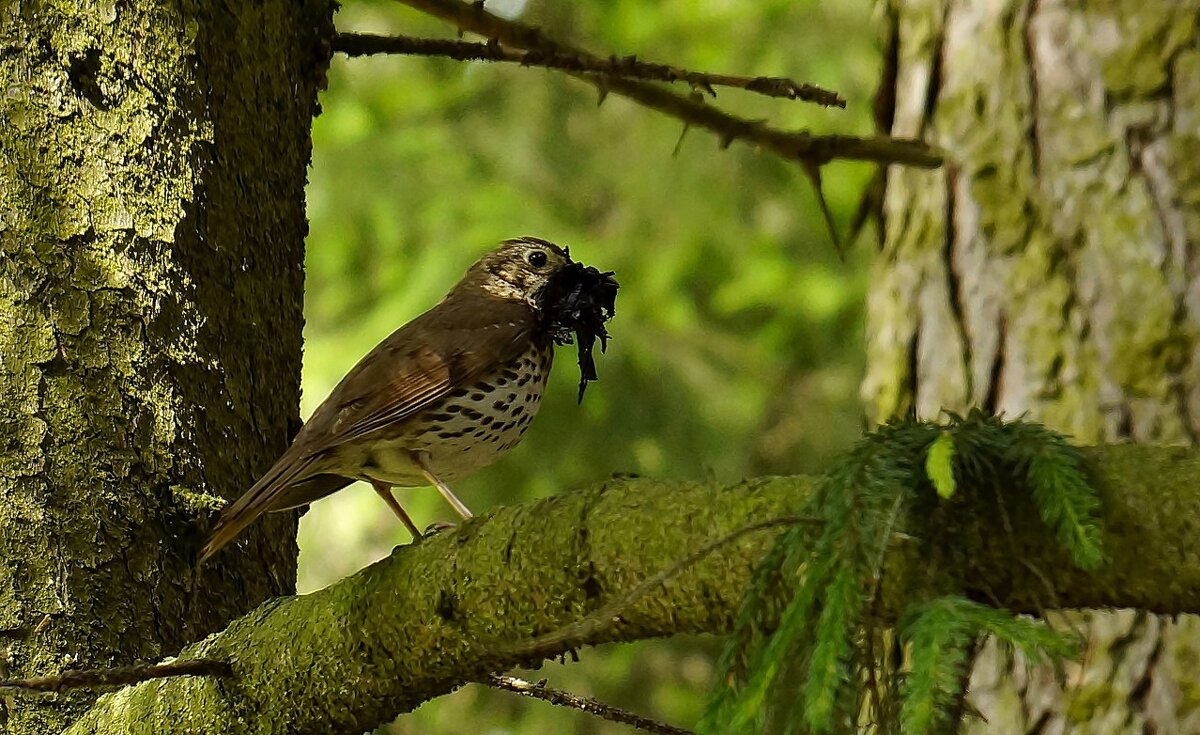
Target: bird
<point x="443" y="396"/>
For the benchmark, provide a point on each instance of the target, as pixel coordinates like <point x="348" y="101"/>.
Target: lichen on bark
<point x="152" y="163"/>
<point x="1052" y="262"/>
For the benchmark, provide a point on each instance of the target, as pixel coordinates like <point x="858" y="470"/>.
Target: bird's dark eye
<point x="537" y="258"/>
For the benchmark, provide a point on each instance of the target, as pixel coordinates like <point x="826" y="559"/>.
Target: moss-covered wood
<point x="152" y="164"/>
<point x="439" y="614"/>
<point x="1050" y="270"/>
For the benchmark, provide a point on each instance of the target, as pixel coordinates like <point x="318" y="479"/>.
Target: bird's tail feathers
<point x="259" y="499"/>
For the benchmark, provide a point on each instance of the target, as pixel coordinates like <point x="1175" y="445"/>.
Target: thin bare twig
<point x="120" y="676"/>
<point x="570" y="636"/>
<point x="629" y="67"/>
<point x="795" y="145"/>
<point x="562" y="698"/>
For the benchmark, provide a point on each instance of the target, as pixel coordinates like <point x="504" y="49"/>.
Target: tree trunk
<point x="1050" y="270"/>
<point x="152" y="164"/>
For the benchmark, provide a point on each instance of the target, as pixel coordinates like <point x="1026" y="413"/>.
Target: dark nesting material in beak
<point x="577" y="302"/>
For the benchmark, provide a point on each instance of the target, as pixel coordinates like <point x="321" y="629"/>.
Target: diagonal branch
<point x="794" y="145"/>
<point x="441" y="613"/>
<point x="93" y="678"/>
<point x="629" y="67"/>
<point x="539" y="690"/>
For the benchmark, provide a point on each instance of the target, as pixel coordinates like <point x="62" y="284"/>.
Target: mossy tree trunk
<point x="1051" y="270"/>
<point x="152" y="164"/>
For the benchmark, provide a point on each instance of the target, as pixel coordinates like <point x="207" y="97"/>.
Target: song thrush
<point x="444" y="395"/>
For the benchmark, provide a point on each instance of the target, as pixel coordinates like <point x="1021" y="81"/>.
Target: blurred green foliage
<point x="738" y="329"/>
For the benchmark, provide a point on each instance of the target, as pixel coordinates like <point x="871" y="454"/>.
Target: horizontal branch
<point x="450" y="609"/>
<point x="800" y="146"/>
<point x="628" y="67"/>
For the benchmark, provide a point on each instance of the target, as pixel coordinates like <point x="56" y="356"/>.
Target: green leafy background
<point x="738" y="334"/>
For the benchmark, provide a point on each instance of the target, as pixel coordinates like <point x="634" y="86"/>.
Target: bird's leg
<point x="422" y="461"/>
<point x="385" y="492"/>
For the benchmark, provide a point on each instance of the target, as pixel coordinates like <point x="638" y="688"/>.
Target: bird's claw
<point x="435" y="528"/>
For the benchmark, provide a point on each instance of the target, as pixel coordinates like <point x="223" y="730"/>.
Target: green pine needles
<point x="807" y="654"/>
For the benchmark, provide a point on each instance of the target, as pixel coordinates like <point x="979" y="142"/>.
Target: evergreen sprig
<point x="940" y="635"/>
<point x="801" y="663"/>
<point x="1042" y="461"/>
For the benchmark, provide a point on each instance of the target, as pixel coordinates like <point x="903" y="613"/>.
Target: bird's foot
<point x="431" y="530"/>
<point x="437" y="527"/>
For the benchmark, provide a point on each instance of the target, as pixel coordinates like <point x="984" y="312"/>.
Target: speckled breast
<point x="472" y="427"/>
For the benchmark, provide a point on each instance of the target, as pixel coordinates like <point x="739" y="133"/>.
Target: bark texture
<point x="443" y="612"/>
<point x="1050" y="269"/>
<point x="152" y="164"/>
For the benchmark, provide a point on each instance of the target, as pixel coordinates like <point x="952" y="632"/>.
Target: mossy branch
<point x="433" y="616"/>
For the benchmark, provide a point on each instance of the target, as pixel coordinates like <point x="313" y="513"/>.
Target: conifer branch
<point x="800" y="146"/>
<point x="628" y="67"/>
<point x="860" y="502"/>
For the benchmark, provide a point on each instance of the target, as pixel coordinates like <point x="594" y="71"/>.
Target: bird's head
<point x="572" y="301"/>
<point x="518" y="270"/>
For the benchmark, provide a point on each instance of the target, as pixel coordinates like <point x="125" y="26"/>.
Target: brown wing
<point x="449" y="347"/>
